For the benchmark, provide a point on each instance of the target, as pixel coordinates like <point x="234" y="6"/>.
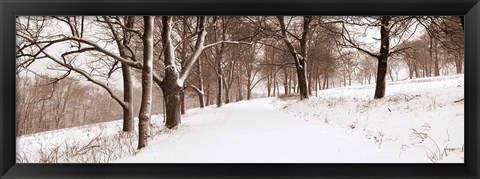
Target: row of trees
<point x="225" y="58"/>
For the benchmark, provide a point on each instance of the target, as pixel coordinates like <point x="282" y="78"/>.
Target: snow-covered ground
<point x="419" y="121"/>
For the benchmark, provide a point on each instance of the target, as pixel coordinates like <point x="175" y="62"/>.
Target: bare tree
<point x="300" y="58"/>
<point x="123" y="46"/>
<point x="173" y="82"/>
<point x="390" y="26"/>
<point x="446" y="32"/>
<point x="200" y="89"/>
<point x="78" y="39"/>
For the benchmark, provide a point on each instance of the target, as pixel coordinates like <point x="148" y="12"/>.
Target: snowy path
<point x="256" y="131"/>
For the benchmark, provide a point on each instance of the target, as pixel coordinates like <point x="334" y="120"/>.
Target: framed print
<point x="239" y="89"/>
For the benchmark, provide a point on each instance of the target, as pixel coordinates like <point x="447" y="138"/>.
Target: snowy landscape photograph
<point x="240" y="89"/>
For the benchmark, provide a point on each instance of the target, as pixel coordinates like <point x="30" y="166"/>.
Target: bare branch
<point x="86" y="75"/>
<point x="227" y="42"/>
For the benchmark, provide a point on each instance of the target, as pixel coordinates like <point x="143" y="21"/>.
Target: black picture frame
<point x="11" y="8"/>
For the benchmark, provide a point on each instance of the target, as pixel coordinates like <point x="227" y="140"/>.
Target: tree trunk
<point x="274" y="86"/>
<point x="200" y="95"/>
<point x="436" y="61"/>
<point x="458" y="63"/>
<point x="227" y="94"/>
<point x="429" y="67"/>
<point x="170" y="87"/>
<point x="380" y="82"/>
<point x="201" y="98"/>
<point x="147" y="79"/>
<point x="382" y="58"/>
<point x="416" y="71"/>
<point x="310" y="83"/>
<point x="295" y="86"/>
<point x="268" y="85"/>
<point x="183" y="57"/>
<point x="208" y="102"/>
<point x="249" y="91"/>
<point x="127" y="98"/>
<point x="410" y="70"/>
<point x="278" y="89"/>
<point x="333" y="83"/>
<point x="285" y="81"/>
<point x="325" y="80"/>
<point x="239" y="84"/>
<point x="228" y="83"/>
<point x="171" y="92"/>
<point x="350" y="79"/>
<point x="182" y="101"/>
<point x="220" y="76"/>
<point x="302" y="80"/>
<point x="390" y="73"/>
<point x="289" y="82"/>
<point x="219" y="90"/>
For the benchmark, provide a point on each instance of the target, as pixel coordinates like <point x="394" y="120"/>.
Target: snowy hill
<point x="419" y="121"/>
<point x="416" y="117"/>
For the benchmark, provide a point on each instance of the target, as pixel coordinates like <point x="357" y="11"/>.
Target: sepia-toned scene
<point x="240" y="89"/>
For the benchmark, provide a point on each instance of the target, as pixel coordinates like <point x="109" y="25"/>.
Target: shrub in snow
<point x="420" y="137"/>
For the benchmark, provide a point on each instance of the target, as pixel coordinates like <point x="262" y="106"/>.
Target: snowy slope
<point x="94" y="143"/>
<point x="341" y="125"/>
<point x="420" y="116"/>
